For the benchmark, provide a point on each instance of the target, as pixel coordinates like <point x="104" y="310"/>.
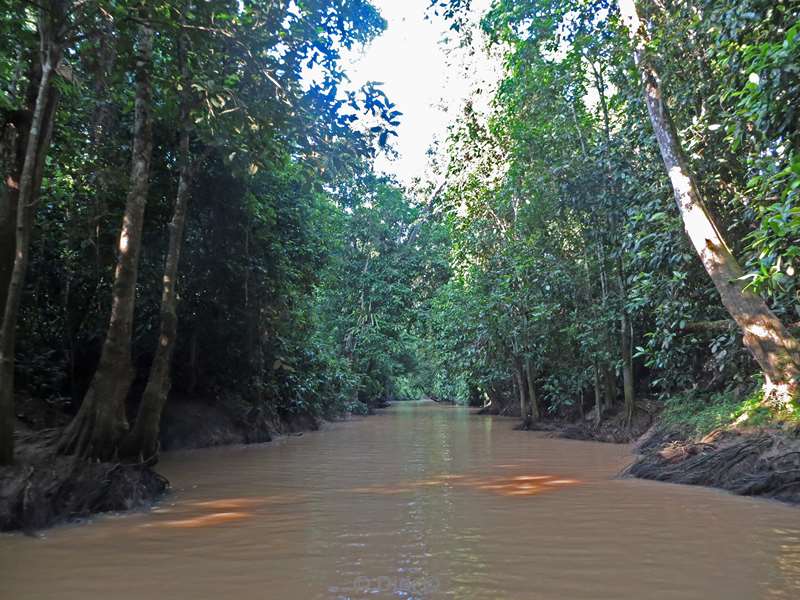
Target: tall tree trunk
<point x="627" y="367"/>
<point x="532" y="399"/>
<point x="598" y="395"/>
<point x="142" y="442"/>
<point x="772" y="346"/>
<point x="103" y="60"/>
<point x="519" y="379"/>
<point x="609" y="379"/>
<point x="609" y="385"/>
<point x="38" y="142"/>
<point x="9" y="198"/>
<point x="626" y="341"/>
<point x="100" y="423"/>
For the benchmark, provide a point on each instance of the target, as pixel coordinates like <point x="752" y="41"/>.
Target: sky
<point x="427" y="77"/>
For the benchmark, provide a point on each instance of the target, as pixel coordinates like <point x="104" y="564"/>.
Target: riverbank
<point x="468" y="507"/>
<point x="760" y="462"/>
<point x="707" y="447"/>
<point x="44" y="489"/>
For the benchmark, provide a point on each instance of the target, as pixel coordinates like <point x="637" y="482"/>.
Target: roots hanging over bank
<point x="758" y="463"/>
<point x="33" y="497"/>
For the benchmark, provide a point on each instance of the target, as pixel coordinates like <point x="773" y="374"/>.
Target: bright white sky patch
<point x="424" y="74"/>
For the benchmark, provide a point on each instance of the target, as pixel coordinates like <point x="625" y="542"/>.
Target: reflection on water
<point x="422" y="502"/>
<point x="521" y="485"/>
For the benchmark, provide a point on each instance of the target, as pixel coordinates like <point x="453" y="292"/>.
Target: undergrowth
<point x="703" y="413"/>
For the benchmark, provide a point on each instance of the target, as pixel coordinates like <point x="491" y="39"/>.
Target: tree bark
<point x="142" y="442"/>
<point x="9" y="198"/>
<point x="523" y="401"/>
<point x="97" y="429"/>
<point x="772" y="346"/>
<point x="36" y="147"/>
<point x="598" y="396"/>
<point x="626" y="341"/>
<point x="533" y="401"/>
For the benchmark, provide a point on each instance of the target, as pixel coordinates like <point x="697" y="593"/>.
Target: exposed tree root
<point x="35" y="496"/>
<point x="759" y="463"/>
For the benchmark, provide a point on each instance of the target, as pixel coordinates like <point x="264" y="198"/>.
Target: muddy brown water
<point x="422" y="501"/>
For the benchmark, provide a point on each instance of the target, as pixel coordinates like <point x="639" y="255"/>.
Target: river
<point x="422" y="501"/>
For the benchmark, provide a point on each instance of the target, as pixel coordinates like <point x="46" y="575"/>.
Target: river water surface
<point x="422" y="501"/>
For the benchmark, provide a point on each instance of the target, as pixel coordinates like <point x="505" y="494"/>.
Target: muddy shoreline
<point x="44" y="489"/>
<point x="757" y="462"/>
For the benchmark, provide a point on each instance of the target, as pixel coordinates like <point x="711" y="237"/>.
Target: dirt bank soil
<point x="763" y="463"/>
<point x="43" y="489"/>
<point x="613" y="429"/>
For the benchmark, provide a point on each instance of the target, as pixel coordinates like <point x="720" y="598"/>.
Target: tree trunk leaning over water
<point x="771" y="344"/>
<point x="97" y="429"/>
<point x="50" y="23"/>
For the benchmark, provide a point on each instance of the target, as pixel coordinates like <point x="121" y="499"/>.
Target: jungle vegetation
<point x="189" y="208"/>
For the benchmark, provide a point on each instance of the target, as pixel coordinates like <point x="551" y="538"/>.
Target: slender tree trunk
<point x="598" y="396"/>
<point x="627" y="367"/>
<point x="104" y="57"/>
<point x="143" y="439"/>
<point x="772" y="346"/>
<point x="626" y="341"/>
<point x="9" y="198"/>
<point x="609" y="375"/>
<point x="193" y="363"/>
<point x="532" y="399"/>
<point x="523" y="401"/>
<point x="36" y="148"/>
<point x="609" y="385"/>
<point x="97" y="429"/>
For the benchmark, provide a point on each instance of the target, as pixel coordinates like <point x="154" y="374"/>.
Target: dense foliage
<point x="299" y="267"/>
<point x="571" y="264"/>
<point x="551" y="266"/>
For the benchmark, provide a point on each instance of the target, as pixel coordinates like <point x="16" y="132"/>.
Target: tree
<point x="142" y="442"/>
<point x="101" y="421"/>
<point x="773" y="347"/>
<point x="52" y="23"/>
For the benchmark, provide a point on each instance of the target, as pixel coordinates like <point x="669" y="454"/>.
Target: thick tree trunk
<point x="142" y="443"/>
<point x="37" y="144"/>
<point x="97" y="429"/>
<point x="772" y="346"/>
